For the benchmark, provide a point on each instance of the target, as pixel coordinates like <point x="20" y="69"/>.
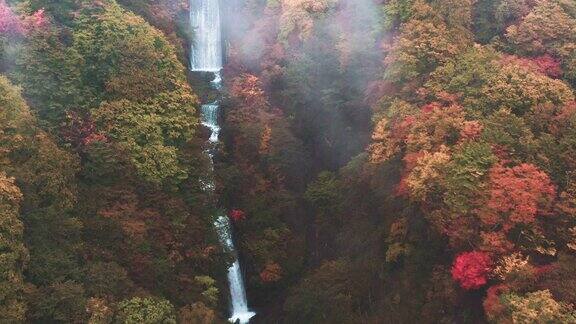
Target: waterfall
<point x="210" y="120"/>
<point x="206" y="56"/>
<point x="240" y="310"/>
<point x="207" y="48"/>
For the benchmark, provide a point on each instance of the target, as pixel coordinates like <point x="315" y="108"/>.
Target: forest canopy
<point x="402" y="161"/>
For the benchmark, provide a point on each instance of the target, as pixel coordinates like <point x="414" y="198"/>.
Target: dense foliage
<point x="382" y="161"/>
<point x="104" y="217"/>
<point x="459" y="205"/>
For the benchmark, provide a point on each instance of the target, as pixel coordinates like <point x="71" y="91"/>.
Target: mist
<point x="252" y="27"/>
<point x="317" y="58"/>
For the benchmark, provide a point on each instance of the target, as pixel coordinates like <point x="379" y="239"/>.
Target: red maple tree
<point x="10" y="24"/>
<point x="544" y="64"/>
<point x="237" y="215"/>
<point x="13" y="26"/>
<point x="517" y="195"/>
<point x="470" y="269"/>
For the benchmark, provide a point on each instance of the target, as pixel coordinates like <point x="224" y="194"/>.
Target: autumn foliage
<point x="237" y="215"/>
<point x="545" y="64"/>
<point x="272" y="272"/>
<point x="469" y="147"/>
<point x="492" y="305"/>
<point x="397" y="161"/>
<point x="517" y="196"/>
<point x="471" y="269"/>
<point x="81" y="132"/>
<point x="10" y="23"/>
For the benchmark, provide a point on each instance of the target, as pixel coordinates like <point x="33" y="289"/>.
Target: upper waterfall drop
<point x="206" y="55"/>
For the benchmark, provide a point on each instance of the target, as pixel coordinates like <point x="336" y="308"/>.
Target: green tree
<point x="152" y="131"/>
<point x="149" y="108"/>
<point x="146" y="311"/>
<point x="124" y="57"/>
<point x="424" y="42"/>
<point x="107" y="279"/>
<point x="46" y="174"/>
<point x="13" y="255"/>
<point x="60" y="302"/>
<point x="538" y="307"/>
<point x="548" y="28"/>
<point x="61" y="10"/>
<point x="49" y="72"/>
<point x="485" y="83"/>
<point x="324" y="297"/>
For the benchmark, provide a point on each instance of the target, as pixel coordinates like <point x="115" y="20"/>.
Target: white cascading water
<point x="206" y="56"/>
<point x="207" y="47"/>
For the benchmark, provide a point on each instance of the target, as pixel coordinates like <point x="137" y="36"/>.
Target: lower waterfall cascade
<point x="240" y="311"/>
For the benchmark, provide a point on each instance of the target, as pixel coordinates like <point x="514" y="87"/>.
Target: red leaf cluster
<point x="81" y="132"/>
<point x="471" y="130"/>
<point x="271" y="273"/>
<point x="544" y="64"/>
<point x="517" y="195"/>
<point x="237" y="215"/>
<point x="470" y="269"/>
<point x="247" y="89"/>
<point x="10" y="24"/>
<point x="548" y="65"/>
<point x="492" y="305"/>
<point x="36" y="20"/>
